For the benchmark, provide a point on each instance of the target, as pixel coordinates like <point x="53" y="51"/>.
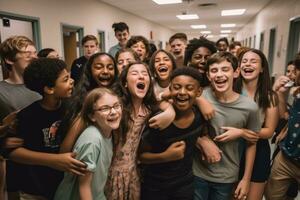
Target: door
<point x="294" y="39"/>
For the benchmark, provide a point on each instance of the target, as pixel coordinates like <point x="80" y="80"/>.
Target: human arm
<point x="63" y="162"/>
<point x="85" y="181"/>
<point x="71" y="136"/>
<point x="271" y="120"/>
<point x="174" y="152"/>
<point x="165" y="118"/>
<point x="244" y="184"/>
<point x="205" y="107"/>
<point x="282" y="92"/>
<point x="210" y="151"/>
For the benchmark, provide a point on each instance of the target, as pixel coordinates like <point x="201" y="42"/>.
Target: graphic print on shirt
<point x="51" y="139"/>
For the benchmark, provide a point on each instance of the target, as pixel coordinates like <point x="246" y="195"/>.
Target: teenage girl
<point x="101" y="114"/>
<point x="124" y="57"/>
<point x="137" y="94"/>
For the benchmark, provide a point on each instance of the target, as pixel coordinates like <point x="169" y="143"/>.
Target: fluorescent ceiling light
<point x="209" y="36"/>
<point x="225" y="31"/>
<point x="205" y="32"/>
<point x="233" y="12"/>
<point x="228" y="25"/>
<point x="201" y="26"/>
<point x="223" y="35"/>
<point x="187" y="16"/>
<point x="161" y="2"/>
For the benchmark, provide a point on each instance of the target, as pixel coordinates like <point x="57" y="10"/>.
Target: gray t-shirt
<point x="113" y="50"/>
<point x="96" y="152"/>
<point x="15" y="97"/>
<point x="242" y="113"/>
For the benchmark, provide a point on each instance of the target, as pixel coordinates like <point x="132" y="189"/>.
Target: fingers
<point x="221" y="138"/>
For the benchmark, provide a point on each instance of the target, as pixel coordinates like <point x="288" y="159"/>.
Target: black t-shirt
<point x="37" y="127"/>
<point x="174" y="173"/>
<point x="77" y="68"/>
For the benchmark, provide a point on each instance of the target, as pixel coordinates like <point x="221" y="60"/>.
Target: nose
<point x="105" y="70"/>
<point x="182" y="90"/>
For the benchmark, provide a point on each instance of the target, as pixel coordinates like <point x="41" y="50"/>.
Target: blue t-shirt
<point x="290" y="146"/>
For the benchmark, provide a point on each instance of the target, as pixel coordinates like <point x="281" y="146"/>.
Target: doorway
<point x="271" y="49"/>
<point x="71" y="36"/>
<point x="294" y="39"/>
<point x="101" y="39"/>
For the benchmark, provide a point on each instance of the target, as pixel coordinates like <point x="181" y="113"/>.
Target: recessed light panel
<point x="233" y="12"/>
<point x="162" y="2"/>
<point x="228" y="25"/>
<point x="187" y="16"/>
<point x="205" y="32"/>
<point x="223" y="35"/>
<point x="200" y="26"/>
<point x="225" y="31"/>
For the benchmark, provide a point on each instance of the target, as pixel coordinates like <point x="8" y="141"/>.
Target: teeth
<point x="163" y="69"/>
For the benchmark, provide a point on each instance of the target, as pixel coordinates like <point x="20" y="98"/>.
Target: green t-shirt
<point x="242" y="113"/>
<point x="96" y="151"/>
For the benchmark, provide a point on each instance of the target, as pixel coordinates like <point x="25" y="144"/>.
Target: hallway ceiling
<point x="165" y="15"/>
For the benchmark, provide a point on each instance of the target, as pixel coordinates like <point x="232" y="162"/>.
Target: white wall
<point x="93" y="15"/>
<point x="275" y="15"/>
<point x="16" y="26"/>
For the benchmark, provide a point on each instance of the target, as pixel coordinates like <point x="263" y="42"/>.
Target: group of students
<point x="189" y="123"/>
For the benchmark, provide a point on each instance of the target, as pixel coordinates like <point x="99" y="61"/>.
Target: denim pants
<point x="206" y="190"/>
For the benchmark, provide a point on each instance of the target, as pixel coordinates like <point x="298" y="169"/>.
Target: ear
<point x="9" y="61"/>
<point x="125" y="85"/>
<point x="199" y="91"/>
<point x="92" y="118"/>
<point x="48" y="90"/>
<point x="236" y="73"/>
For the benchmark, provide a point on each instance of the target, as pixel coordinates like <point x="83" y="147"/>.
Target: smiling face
<point x="291" y="72"/>
<point x="184" y="90"/>
<point x="63" y="85"/>
<point x="124" y="59"/>
<point x="199" y="58"/>
<point x="122" y="37"/>
<point x="138" y="81"/>
<point x="103" y="70"/>
<point x="107" y="112"/>
<point x="221" y="76"/>
<point x="23" y="58"/>
<point x="222" y="46"/>
<point x="178" y="47"/>
<point x="163" y="66"/>
<point x="250" y="66"/>
<point x="140" y="49"/>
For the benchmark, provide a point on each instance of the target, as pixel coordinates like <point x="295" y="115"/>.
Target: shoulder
<point x="32" y="108"/>
<point x="248" y="103"/>
<point x="90" y="135"/>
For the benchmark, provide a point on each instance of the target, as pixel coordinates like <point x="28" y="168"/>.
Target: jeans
<point x="206" y="190"/>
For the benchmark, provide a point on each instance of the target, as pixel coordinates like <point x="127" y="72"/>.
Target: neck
<point x="15" y="77"/>
<point x="163" y="83"/>
<point x="137" y="103"/>
<point x="106" y="132"/>
<point x="250" y="86"/>
<point x="226" y="97"/>
<point x="50" y="103"/>
<point x="184" y="119"/>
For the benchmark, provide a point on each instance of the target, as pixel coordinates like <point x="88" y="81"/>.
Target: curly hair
<point x="138" y="38"/>
<point x="43" y="72"/>
<point x="194" y="44"/>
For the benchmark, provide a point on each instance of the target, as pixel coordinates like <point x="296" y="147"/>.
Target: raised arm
<point x="165" y="118"/>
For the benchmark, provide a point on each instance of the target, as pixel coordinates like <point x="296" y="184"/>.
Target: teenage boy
<point x="168" y="153"/>
<point x="216" y="176"/>
<point x="178" y="43"/>
<point x="234" y="47"/>
<point x="37" y="125"/>
<point x="16" y="53"/>
<point x="222" y="44"/>
<point x="90" y="46"/>
<point x="285" y="168"/>
<point x="122" y="34"/>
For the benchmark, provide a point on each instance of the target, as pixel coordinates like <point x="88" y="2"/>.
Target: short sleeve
<point x="89" y="153"/>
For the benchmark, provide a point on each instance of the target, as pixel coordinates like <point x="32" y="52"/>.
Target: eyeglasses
<point x="28" y="54"/>
<point x="107" y="109"/>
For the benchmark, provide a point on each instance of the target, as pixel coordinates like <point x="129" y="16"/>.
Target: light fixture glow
<point x="228" y="25"/>
<point x="209" y="36"/>
<point x="225" y="31"/>
<point x="223" y="35"/>
<point x="200" y="26"/>
<point x="187" y="16"/>
<point x="205" y="32"/>
<point x="162" y="2"/>
<point x="233" y="12"/>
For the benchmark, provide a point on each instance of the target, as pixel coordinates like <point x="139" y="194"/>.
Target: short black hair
<point x="43" y="72"/>
<point x="43" y="53"/>
<point x="121" y="26"/>
<point x="224" y="39"/>
<point x="188" y="71"/>
<point x="180" y="36"/>
<point x="194" y="44"/>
